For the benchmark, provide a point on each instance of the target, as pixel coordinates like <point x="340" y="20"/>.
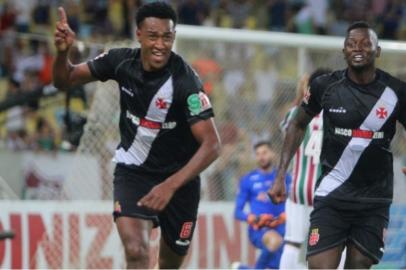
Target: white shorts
<point x="297" y="221"/>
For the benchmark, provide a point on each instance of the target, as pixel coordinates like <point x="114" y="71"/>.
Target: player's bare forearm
<point x="293" y="138"/>
<point x="66" y="75"/>
<point x="61" y="71"/>
<point x="209" y="150"/>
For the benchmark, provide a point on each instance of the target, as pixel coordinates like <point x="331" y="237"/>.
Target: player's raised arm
<point x="65" y="74"/>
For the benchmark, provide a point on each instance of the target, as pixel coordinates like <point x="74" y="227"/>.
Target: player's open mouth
<point x="158" y="56"/>
<point x="358" y="58"/>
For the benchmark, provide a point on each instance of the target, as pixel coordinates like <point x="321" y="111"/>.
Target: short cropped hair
<point x="364" y="25"/>
<point x="358" y="24"/>
<point x="156" y="9"/>
<point x="261" y="143"/>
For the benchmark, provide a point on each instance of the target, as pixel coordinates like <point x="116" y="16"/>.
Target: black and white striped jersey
<point x="359" y="124"/>
<point x="157" y="110"/>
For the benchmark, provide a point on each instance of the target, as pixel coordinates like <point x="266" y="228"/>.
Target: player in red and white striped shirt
<point x="305" y="171"/>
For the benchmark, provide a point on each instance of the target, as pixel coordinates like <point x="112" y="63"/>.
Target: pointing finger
<point x="62" y="15"/>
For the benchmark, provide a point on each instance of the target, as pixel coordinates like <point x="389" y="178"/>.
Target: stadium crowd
<point x="115" y="17"/>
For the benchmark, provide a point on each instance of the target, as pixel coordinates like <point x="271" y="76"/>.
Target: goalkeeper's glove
<point x="257" y="222"/>
<point x="265" y="220"/>
<point x="252" y="220"/>
<point x="281" y="219"/>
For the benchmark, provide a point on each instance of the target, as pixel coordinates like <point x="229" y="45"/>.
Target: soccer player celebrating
<point x="167" y="133"/>
<point x="361" y="105"/>
<point x="266" y="220"/>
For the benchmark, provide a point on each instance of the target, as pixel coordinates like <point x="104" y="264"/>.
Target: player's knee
<point x="313" y="263"/>
<point x="358" y="262"/>
<point x="136" y="252"/>
<point x="322" y="261"/>
<point x="272" y="240"/>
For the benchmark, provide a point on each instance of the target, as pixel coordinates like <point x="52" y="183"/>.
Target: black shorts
<point x="364" y="225"/>
<point x="177" y="221"/>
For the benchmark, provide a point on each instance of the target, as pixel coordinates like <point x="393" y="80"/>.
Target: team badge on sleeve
<point x="198" y="103"/>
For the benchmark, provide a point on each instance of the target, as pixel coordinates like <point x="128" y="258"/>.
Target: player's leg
<point x="328" y="259"/>
<point x="270" y="252"/>
<point x="168" y="259"/>
<point x="135" y="234"/>
<point x="366" y="240"/>
<point x="272" y="240"/>
<point x="263" y="259"/>
<point x="356" y="259"/>
<point x="327" y="236"/>
<point x="134" y="224"/>
<point x="297" y="226"/>
<point x="178" y="222"/>
<point x="290" y="256"/>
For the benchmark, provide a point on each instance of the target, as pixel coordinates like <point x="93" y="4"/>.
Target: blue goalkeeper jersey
<point x="253" y="190"/>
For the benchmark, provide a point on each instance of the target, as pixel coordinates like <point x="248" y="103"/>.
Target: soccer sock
<point x="290" y="257"/>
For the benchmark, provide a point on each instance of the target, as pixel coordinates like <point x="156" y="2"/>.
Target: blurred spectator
<point x="7" y="17"/>
<point x="265" y="79"/>
<point x="24" y="10"/>
<point x="208" y="69"/>
<point x="192" y="12"/>
<point x="277" y="10"/>
<point x="44" y="137"/>
<point x="378" y="8"/>
<point x="301" y="21"/>
<point x="402" y="27"/>
<point x="239" y="12"/>
<point x="391" y="20"/>
<point x="221" y="15"/>
<point x="318" y="12"/>
<point x="25" y="58"/>
<point x="96" y="13"/>
<point x="130" y="7"/>
<point x="73" y="11"/>
<point x="15" y="122"/>
<point x="45" y="73"/>
<point x="358" y="10"/>
<point x="339" y="24"/>
<point x="41" y="13"/>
